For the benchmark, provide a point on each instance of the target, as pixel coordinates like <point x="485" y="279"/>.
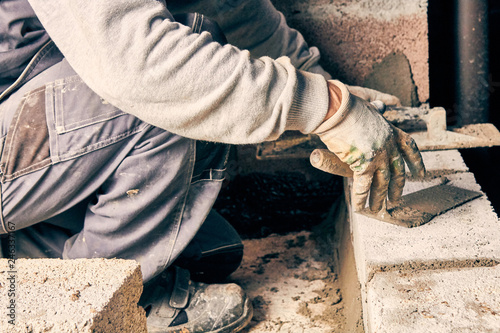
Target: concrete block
<point x="444" y="162"/>
<point x="354" y="35"/>
<point x="82" y="295"/>
<point x="431" y="278"/>
<point x="464" y="236"/>
<point x="462" y="300"/>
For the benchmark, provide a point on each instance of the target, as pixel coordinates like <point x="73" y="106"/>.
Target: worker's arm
<point x="257" y="26"/>
<point x="134" y="56"/>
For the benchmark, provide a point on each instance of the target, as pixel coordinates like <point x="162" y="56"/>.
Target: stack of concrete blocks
<point x="440" y="277"/>
<point x="71" y="296"/>
<point x="381" y="44"/>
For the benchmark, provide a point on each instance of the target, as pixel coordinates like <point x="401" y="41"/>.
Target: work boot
<point x="175" y="304"/>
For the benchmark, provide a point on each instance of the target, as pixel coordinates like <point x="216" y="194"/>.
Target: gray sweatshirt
<point x="137" y="58"/>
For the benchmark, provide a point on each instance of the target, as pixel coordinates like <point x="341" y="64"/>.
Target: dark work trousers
<point x="82" y="179"/>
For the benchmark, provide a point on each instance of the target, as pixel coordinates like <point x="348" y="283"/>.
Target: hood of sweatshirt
<point x="21" y="36"/>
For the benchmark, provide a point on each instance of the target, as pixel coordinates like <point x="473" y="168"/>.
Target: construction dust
<point x="292" y="285"/>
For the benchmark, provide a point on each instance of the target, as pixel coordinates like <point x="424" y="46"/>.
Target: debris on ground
<point x="292" y="285"/>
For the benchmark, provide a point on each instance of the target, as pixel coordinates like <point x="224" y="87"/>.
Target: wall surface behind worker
<point x="378" y="43"/>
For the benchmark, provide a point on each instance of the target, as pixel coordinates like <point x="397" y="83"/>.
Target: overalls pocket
<point x="26" y="146"/>
<point x="60" y="121"/>
<point x="79" y="120"/>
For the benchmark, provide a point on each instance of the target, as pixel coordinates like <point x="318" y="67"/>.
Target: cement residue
<point x="434" y="174"/>
<point x="462" y="300"/>
<point x="488" y="134"/>
<point x="393" y="76"/>
<point x="418" y="208"/>
<point x="403" y="216"/>
<point x="413" y="266"/>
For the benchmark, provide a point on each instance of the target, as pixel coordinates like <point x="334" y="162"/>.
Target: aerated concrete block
<point x="82" y="295"/>
<point x="462" y="300"/>
<point x="432" y="278"/>
<point x="442" y="163"/>
<point x="464" y="236"/>
<point x="354" y="36"/>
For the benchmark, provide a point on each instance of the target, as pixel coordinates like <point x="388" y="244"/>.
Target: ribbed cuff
<point x="341" y="113"/>
<point x="310" y="103"/>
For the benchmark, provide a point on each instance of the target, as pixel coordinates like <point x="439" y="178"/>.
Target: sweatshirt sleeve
<point x="137" y="58"/>
<point x="258" y="26"/>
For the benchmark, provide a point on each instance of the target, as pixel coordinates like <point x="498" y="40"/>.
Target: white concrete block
<point x="444" y="160"/>
<point x="461" y="301"/>
<point x="420" y="279"/>
<point x="467" y="235"/>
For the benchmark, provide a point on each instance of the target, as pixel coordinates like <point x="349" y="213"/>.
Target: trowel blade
<point x="420" y="207"/>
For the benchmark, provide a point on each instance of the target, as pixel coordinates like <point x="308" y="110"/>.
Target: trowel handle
<point x="327" y="161"/>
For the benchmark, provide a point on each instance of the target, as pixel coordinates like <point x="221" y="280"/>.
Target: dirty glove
<point x="371" y="95"/>
<point x="374" y="149"/>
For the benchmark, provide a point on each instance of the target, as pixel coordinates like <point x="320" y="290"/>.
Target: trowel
<point x="414" y="209"/>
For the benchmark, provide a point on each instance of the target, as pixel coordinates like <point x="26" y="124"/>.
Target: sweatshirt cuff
<point x="310" y="103"/>
<point x="341" y="114"/>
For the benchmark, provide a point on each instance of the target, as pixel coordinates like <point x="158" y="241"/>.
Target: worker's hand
<point x="371" y="95"/>
<point x="374" y="149"/>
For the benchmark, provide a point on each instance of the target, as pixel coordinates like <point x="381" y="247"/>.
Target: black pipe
<point x="442" y="56"/>
<point x="473" y="79"/>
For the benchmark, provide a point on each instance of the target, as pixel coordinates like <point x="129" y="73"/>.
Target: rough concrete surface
<point x="461" y="300"/>
<point x="354" y="35"/>
<point x="464" y="236"/>
<point x="436" y="277"/>
<point x="82" y="295"/>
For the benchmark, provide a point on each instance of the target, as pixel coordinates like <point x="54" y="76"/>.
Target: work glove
<point x="372" y="95"/>
<point x="374" y="149"/>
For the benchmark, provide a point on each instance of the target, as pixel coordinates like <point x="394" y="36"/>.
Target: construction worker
<point x="115" y="120"/>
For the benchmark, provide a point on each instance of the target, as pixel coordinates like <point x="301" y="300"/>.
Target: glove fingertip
<point x="358" y="207"/>
<point x="417" y="169"/>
